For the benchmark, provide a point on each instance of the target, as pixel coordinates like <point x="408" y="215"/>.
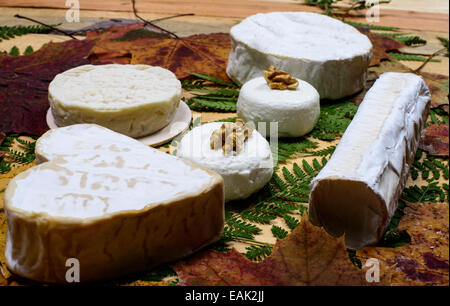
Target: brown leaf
<point x="423" y="261"/>
<point x="435" y="140"/>
<point x="204" y="53"/>
<point x="24" y="83"/>
<point x="381" y="45"/>
<point x="308" y="256"/>
<point x="438" y="85"/>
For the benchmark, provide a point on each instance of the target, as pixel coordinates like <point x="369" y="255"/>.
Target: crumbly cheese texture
<point x="109" y="201"/>
<point x="323" y="51"/>
<point x="243" y="173"/>
<point x="295" y="111"/>
<point x="356" y="193"/>
<point x="134" y="100"/>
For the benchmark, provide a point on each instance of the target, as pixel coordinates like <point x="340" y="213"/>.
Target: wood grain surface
<point x="438" y="22"/>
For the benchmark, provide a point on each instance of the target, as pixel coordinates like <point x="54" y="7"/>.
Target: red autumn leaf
<point x="24" y="84"/>
<point x="423" y="261"/>
<point x="308" y="256"/>
<point x="204" y="53"/>
<point x="435" y="140"/>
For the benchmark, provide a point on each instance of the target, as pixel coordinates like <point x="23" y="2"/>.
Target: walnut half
<point x="231" y="137"/>
<point x="278" y="79"/>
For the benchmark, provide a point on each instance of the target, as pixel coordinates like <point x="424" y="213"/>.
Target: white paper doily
<point x="179" y="124"/>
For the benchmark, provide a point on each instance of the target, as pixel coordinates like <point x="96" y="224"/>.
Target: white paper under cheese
<point x="135" y="100"/>
<point x="356" y="193"/>
<point x="113" y="203"/>
<point x="323" y="51"/>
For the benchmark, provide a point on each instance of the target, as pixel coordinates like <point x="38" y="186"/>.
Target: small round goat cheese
<point x="295" y="111"/>
<point x="243" y="173"/>
<point x="135" y="100"/>
<point x="327" y="53"/>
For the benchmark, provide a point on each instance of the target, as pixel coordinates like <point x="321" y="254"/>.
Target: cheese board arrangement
<point x="297" y="144"/>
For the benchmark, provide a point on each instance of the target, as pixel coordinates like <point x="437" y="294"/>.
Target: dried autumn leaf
<point x="205" y="53"/>
<point x="24" y="83"/>
<point x="435" y="140"/>
<point x="423" y="261"/>
<point x="308" y="256"/>
<point x="381" y="45"/>
<point x="438" y="85"/>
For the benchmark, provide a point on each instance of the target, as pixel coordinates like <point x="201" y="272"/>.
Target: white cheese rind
<point x="135" y="100"/>
<point x="295" y="111"/>
<point x="356" y="193"/>
<point x="327" y="53"/>
<point x="243" y="173"/>
<point x="116" y="206"/>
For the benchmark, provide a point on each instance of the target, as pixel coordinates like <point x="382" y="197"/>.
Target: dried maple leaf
<point x="423" y="261"/>
<point x="381" y="45"/>
<point x="438" y="85"/>
<point x="308" y="256"/>
<point x="24" y="84"/>
<point x="435" y="140"/>
<point x="204" y="53"/>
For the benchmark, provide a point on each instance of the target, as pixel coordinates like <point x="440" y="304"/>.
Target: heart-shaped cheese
<point x="112" y="203"/>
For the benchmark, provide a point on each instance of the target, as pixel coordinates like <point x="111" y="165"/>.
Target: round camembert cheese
<point x="243" y="173"/>
<point x="295" y="111"/>
<point x="134" y="100"/>
<point x="110" y="202"/>
<point x="323" y="51"/>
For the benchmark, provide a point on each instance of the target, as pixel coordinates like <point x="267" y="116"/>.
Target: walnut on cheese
<point x="295" y="110"/>
<point x="279" y="79"/>
<point x="109" y="201"/>
<point x="243" y="173"/>
<point x="231" y="136"/>
<point x="356" y="193"/>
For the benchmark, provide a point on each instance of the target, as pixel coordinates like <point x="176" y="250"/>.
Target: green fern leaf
<point x="279" y="232"/>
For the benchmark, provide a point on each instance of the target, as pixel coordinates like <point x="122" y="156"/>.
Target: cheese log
<point x="112" y="203"/>
<point x="135" y="100"/>
<point x="356" y="193"/>
<point x="243" y="173"/>
<point x="323" y="51"/>
<point x="295" y="111"/>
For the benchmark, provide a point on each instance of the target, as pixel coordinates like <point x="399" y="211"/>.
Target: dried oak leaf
<point x="308" y="256"/>
<point x="435" y="140"/>
<point x="24" y="83"/>
<point x="204" y="53"/>
<point x="381" y="45"/>
<point x="423" y="261"/>
<point x="438" y="85"/>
